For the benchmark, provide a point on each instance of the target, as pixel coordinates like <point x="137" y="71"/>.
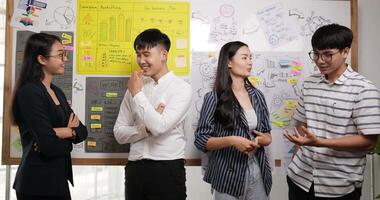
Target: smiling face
<point x="54" y="63"/>
<point x="152" y="61"/>
<point x="240" y="64"/>
<point x="333" y="64"/>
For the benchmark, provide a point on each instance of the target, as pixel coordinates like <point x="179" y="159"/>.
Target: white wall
<point x="369" y="41"/>
<point x="369" y="66"/>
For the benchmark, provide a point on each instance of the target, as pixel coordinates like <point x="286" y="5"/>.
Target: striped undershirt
<point x="349" y="106"/>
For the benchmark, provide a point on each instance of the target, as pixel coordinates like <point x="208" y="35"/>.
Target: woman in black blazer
<point x="48" y="126"/>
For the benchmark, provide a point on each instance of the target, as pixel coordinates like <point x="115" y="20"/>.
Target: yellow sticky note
<point x="66" y="38"/>
<point x="254" y="80"/>
<point x="181" y="43"/>
<point x="276" y="116"/>
<point x="296" y="67"/>
<point x="111" y="94"/>
<point x="290" y="103"/>
<point x="86" y="44"/>
<point x="96" y="109"/>
<point x="278" y="123"/>
<point x="211" y="54"/>
<point x="180" y="61"/>
<point x="91" y="143"/>
<point x="96" y="125"/>
<point x="95" y="117"/>
<point x="292" y="81"/>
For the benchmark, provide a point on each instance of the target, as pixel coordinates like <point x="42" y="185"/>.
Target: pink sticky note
<point x="297" y="62"/>
<point x="296" y="72"/>
<point x="69" y="48"/>
<point x="88" y="58"/>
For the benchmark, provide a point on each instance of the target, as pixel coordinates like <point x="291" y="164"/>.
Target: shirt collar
<point x="249" y="89"/>
<point x="342" y="78"/>
<point x="166" y="78"/>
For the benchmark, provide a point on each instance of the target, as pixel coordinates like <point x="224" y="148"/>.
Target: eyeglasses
<point x="61" y="56"/>
<point x="325" y="56"/>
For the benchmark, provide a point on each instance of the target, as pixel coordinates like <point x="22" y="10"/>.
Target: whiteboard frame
<point x="6" y="156"/>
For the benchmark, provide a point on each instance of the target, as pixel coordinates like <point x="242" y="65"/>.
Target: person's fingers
<point x="257" y="142"/>
<point x="35" y="147"/>
<point x="287" y="134"/>
<point x="305" y="130"/>
<point x="296" y="139"/>
<point x="71" y="116"/>
<point x="296" y="131"/>
<point x="134" y="76"/>
<point x="160" y="108"/>
<point x="247" y="150"/>
<point x="76" y="118"/>
<point x="258" y="133"/>
<point x="289" y="137"/>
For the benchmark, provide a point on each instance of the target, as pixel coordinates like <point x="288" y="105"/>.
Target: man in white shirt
<point x="151" y="119"/>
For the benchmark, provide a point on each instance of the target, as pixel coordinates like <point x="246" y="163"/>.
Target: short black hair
<point x="151" y="38"/>
<point x="332" y="36"/>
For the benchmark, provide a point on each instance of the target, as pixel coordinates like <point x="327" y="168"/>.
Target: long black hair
<point x="31" y="70"/>
<point x="227" y="106"/>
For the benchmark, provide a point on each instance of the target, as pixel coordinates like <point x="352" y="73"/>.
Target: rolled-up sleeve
<point x="264" y="113"/>
<point x="126" y="130"/>
<point x="175" y="110"/>
<point x="299" y="113"/>
<point x="206" y="123"/>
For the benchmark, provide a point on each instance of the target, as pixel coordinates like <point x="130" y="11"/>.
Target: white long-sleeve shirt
<point x="166" y="139"/>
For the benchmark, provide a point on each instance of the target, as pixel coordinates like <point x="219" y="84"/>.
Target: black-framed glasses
<point x="61" y="56"/>
<point x="325" y="56"/>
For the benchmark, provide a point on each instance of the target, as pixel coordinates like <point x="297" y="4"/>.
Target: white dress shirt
<point x="165" y="139"/>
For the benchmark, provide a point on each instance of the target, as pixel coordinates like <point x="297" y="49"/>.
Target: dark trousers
<point x="21" y="196"/>
<point x="156" y="180"/>
<point x="296" y="193"/>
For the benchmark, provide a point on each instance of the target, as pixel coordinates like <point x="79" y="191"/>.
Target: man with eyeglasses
<point x="337" y="122"/>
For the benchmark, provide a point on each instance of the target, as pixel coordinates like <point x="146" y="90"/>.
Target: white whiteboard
<point x="278" y="33"/>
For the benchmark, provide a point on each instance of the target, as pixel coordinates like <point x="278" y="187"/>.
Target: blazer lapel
<point x="62" y="101"/>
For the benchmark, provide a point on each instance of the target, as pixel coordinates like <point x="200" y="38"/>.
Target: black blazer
<point x="46" y="171"/>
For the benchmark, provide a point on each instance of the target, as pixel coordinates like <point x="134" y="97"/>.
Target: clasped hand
<point x="245" y="145"/>
<point x="160" y="109"/>
<point x="135" y="83"/>
<point x="68" y="132"/>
